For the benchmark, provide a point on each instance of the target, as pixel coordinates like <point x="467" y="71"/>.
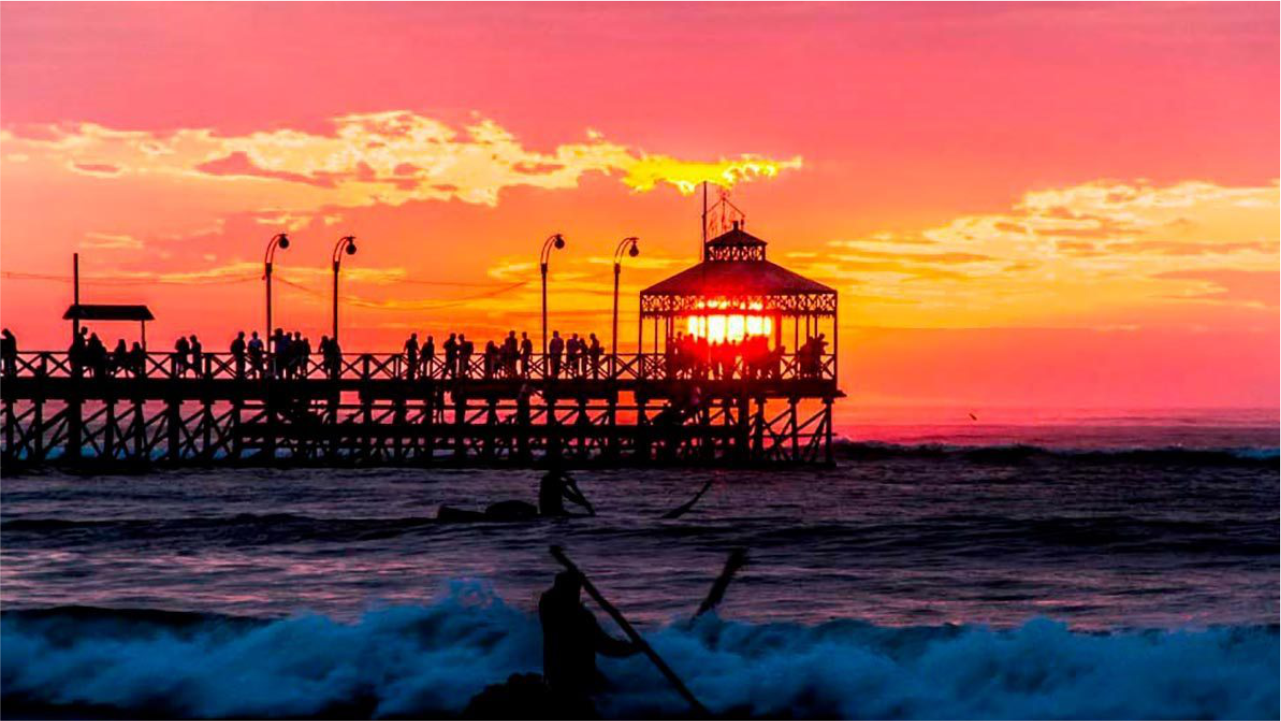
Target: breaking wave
<point x="431" y="660"/>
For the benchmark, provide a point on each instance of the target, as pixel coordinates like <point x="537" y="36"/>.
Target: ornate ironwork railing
<point x="396" y="366"/>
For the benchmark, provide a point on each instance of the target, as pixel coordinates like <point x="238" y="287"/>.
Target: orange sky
<point x="1022" y="205"/>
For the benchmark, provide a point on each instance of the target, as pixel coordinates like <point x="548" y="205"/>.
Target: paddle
<point x="737" y="559"/>
<point x="699" y="709"/>
<point x="685" y="507"/>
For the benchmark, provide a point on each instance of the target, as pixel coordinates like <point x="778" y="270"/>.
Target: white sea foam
<point x="416" y="660"/>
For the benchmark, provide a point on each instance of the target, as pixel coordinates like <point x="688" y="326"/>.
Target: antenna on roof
<point x="722" y="217"/>
<point x="703" y="250"/>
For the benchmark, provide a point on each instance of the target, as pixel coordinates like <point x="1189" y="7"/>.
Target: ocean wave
<point x="1020" y="452"/>
<point x="431" y="660"/>
<point x="241" y="529"/>
<point x="969" y="535"/>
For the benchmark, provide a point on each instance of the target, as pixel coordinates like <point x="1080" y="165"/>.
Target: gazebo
<point x="736" y="293"/>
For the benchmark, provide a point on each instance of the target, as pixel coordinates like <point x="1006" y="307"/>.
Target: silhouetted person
<point x="137" y="360"/>
<point x="411" y="356"/>
<point x="593" y="354"/>
<point x="120" y="357"/>
<point x="526" y="352"/>
<point x="571" y="640"/>
<point x="511" y="352"/>
<point x="238" y="349"/>
<point x="96" y="356"/>
<point x="9" y="352"/>
<point x="279" y="353"/>
<point x="181" y="349"/>
<point x="76" y="353"/>
<point x="429" y="356"/>
<point x="451" y="355"/>
<point x="554" y="348"/>
<point x="332" y="355"/>
<point x="573" y="355"/>
<point x="302" y="350"/>
<point x="556" y="488"/>
<point x="255" y="354"/>
<point x="490" y="359"/>
<point x="197" y="359"/>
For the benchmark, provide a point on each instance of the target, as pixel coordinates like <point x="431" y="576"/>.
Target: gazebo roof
<point x="735" y="274"/>
<point x="735" y="237"/>
<point x="737" y="277"/>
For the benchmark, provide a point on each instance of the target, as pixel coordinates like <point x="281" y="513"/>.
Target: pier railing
<point x="396" y="366"/>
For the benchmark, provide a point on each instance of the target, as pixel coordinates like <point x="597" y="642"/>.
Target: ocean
<point x="1098" y="565"/>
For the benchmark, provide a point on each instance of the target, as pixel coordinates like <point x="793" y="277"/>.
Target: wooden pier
<point x="627" y="410"/>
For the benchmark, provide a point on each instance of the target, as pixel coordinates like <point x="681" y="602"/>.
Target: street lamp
<point x="347" y="244"/>
<point x="553" y="242"/>
<point x="629" y="245"/>
<point x="281" y="241"/>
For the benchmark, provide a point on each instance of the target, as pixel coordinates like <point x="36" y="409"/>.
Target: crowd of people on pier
<point x="289" y="355"/>
<point x="751" y="358"/>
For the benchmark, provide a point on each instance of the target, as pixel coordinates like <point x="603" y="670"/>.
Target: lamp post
<point x="281" y="241"/>
<point x="555" y="241"/>
<point x="629" y="245"/>
<point x="346" y="244"/>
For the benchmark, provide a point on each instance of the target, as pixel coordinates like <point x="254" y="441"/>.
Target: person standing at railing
<point x="554" y="349"/>
<point x="76" y="352"/>
<point x="279" y="351"/>
<point x="255" y="354"/>
<point x="331" y="357"/>
<point x="119" y="358"/>
<point x="490" y="359"/>
<point x="594" y="351"/>
<point x="411" y="356"/>
<point x="96" y="356"/>
<point x="295" y="354"/>
<point x="526" y="354"/>
<point x="9" y="352"/>
<point x="451" y="356"/>
<point x="138" y="360"/>
<point x="181" y="349"/>
<point x="304" y="357"/>
<point x="238" y="348"/>
<point x="428" y="356"/>
<point x="574" y="355"/>
<point x="197" y="357"/>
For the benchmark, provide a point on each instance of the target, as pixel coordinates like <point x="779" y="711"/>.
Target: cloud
<point x="373" y="158"/>
<point x="649" y="171"/>
<point x="109" y="241"/>
<point x="1067" y="254"/>
<point x="1259" y="287"/>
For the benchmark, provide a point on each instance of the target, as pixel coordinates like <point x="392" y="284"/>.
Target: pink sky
<point x="1048" y="204"/>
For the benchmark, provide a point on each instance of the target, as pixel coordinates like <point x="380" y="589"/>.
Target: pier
<point x="632" y="411"/>
<point x="714" y="382"/>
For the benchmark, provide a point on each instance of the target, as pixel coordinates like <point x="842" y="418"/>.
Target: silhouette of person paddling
<point x="571" y="639"/>
<point x="556" y="488"/>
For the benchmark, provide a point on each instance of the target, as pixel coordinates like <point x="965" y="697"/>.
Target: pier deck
<point x="634" y="409"/>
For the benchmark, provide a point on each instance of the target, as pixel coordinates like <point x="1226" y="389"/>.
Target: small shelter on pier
<point x="79" y="312"/>
<point x="736" y="293"/>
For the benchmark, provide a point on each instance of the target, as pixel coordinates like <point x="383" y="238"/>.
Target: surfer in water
<point x="571" y="640"/>
<point x="557" y="487"/>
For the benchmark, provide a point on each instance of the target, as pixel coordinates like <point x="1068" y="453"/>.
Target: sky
<point x="1021" y="205"/>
